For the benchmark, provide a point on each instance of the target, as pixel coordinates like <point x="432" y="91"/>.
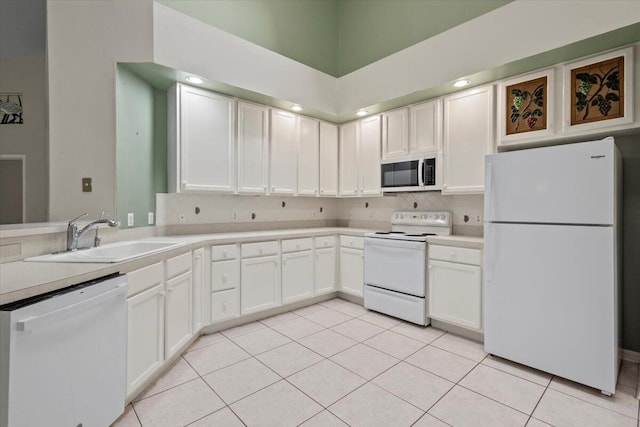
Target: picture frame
<point x="526" y="107"/>
<point x="598" y="91"/>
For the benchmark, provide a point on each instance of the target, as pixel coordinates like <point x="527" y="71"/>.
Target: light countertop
<point x="19" y="280"/>
<point x="457" y="241"/>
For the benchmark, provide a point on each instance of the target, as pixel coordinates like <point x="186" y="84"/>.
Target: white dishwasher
<point x="63" y="356"/>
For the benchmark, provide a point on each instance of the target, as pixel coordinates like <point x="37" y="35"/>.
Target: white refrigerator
<point x="552" y="260"/>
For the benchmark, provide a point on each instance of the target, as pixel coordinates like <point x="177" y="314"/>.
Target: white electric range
<point x="395" y="264"/>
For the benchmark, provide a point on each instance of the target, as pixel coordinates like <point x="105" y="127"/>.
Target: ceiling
<point x="22" y="28"/>
<point x="334" y="36"/>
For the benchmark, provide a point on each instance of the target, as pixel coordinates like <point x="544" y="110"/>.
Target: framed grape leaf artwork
<point x="526" y="108"/>
<point x="597" y="91"/>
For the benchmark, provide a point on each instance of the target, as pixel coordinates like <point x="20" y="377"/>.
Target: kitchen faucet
<point x="73" y="235"/>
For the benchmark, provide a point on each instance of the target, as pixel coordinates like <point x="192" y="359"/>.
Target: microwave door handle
<point x="421" y="172"/>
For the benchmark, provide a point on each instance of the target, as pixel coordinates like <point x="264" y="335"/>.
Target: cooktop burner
<point x="420" y="234"/>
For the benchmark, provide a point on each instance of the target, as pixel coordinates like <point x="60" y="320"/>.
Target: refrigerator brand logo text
<point x="599" y="156"/>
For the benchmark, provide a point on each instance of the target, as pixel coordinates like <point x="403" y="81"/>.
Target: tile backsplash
<point x="371" y="212"/>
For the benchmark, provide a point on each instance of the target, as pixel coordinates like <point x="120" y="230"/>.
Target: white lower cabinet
<point x="352" y="271"/>
<point x="325" y="270"/>
<point x="145" y="335"/>
<point x="225" y="283"/>
<point x="260" y="287"/>
<point x="178" y="317"/>
<point x="200" y="305"/>
<point x="297" y="276"/>
<point x="455" y="288"/>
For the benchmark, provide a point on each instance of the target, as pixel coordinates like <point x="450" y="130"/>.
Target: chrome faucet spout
<point x="73" y="235"/>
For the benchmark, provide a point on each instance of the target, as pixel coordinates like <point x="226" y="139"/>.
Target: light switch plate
<point x="130" y="219"/>
<point x="150" y="218"/>
<point x="87" y="185"/>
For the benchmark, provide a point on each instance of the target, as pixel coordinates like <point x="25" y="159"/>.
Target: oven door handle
<point x="421" y="173"/>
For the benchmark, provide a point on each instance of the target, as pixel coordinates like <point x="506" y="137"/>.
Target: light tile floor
<point x="337" y="364"/>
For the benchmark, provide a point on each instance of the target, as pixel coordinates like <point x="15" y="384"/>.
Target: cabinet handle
<point x="284" y="262"/>
<point x="224" y="306"/>
<point x="452" y="254"/>
<point x="273" y="188"/>
<point x="169" y="290"/>
<point x="297" y="245"/>
<point x="162" y="293"/>
<point x="261" y="249"/>
<point x="317" y="255"/>
<point x="224" y="278"/>
<point x="224" y="253"/>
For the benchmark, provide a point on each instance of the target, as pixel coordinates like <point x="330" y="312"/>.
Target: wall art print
<point x="526" y="109"/>
<point x="11" y="109"/>
<point x="597" y="91"/>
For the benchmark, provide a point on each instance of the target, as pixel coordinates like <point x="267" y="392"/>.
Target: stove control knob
<point x="441" y="216"/>
<point x="396" y="216"/>
<point x="424" y="216"/>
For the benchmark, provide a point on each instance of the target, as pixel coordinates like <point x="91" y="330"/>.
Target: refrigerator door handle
<point x="489" y="209"/>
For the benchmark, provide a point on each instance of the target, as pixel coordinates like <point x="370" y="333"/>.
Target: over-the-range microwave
<point x="417" y="174"/>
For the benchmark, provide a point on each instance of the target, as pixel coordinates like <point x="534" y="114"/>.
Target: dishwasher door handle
<point x="32" y="323"/>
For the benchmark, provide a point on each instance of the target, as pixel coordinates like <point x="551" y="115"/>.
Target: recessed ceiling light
<point x="461" y="83"/>
<point x="361" y="113"/>
<point x="296" y="108"/>
<point x="194" y="79"/>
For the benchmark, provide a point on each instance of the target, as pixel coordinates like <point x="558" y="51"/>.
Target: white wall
<point x="515" y="31"/>
<point x="85" y="39"/>
<point x="27" y="75"/>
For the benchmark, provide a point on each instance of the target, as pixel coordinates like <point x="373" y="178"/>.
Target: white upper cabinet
<point x="328" y="159"/>
<point x="282" y="157"/>
<point x="426" y="127"/>
<point x="370" y="156"/>
<point x="395" y="133"/>
<point x="468" y="137"/>
<point x="308" y="156"/>
<point x="349" y="159"/>
<point x="253" y="146"/>
<point x="360" y="158"/>
<point x="201" y="140"/>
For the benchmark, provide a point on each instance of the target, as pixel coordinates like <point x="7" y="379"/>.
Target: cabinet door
<point x="282" y="158"/>
<point x="200" y="292"/>
<point x="370" y="156"/>
<point x="253" y="145"/>
<point x="297" y="276"/>
<point x="348" y="176"/>
<point x="178" y="313"/>
<point x="455" y="293"/>
<point x="468" y="137"/>
<point x="426" y="127"/>
<point x="395" y="133"/>
<point x="207" y="128"/>
<point x="325" y="270"/>
<point x="328" y="159"/>
<point x="352" y="271"/>
<point x="308" y="156"/>
<point x="260" y="287"/>
<point x="145" y="335"/>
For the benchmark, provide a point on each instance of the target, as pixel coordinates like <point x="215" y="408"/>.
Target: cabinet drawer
<point x="453" y="254"/>
<point x="225" y="275"/>
<point x="145" y="278"/>
<point x="325" y="242"/>
<point x="222" y="252"/>
<point x="294" y="245"/>
<point x="249" y="250"/>
<point x="352" y="242"/>
<point x="224" y="305"/>
<point x="178" y="265"/>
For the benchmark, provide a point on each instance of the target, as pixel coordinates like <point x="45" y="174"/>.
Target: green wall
<point x="370" y="30"/>
<point x="303" y="30"/>
<point x="334" y="36"/>
<point x="141" y="147"/>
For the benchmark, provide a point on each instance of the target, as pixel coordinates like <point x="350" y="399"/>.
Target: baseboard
<point x="629" y="355"/>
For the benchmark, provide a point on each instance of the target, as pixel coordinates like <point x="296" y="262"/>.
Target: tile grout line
<point x="540" y="400"/>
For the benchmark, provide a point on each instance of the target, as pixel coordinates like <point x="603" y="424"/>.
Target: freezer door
<point x="550" y="300"/>
<point x="566" y="184"/>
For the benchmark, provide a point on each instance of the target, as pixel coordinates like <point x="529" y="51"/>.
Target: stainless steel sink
<point x="113" y="252"/>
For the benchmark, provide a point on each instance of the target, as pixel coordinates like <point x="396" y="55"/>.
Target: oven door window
<point x="401" y="174"/>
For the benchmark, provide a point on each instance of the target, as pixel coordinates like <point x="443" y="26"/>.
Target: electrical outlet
<point x="478" y="219"/>
<point x="314" y="214"/>
<point x="130" y="219"/>
<point x="234" y="217"/>
<point x="181" y="217"/>
<point x="371" y="215"/>
<point x="150" y="218"/>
